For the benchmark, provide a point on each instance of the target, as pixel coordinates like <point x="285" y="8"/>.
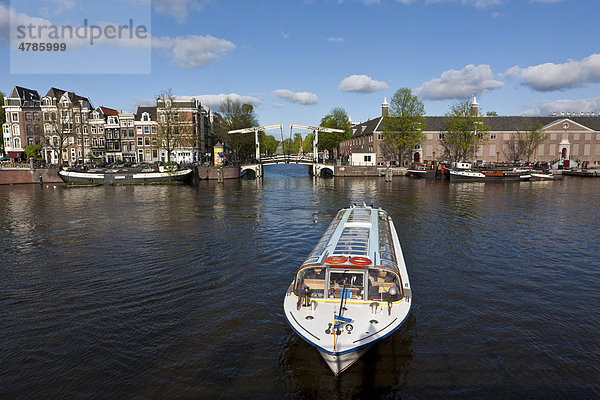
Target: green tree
<point x="307" y="143"/>
<point x="33" y="152"/>
<point x="336" y="119"/>
<point x="2" y="120"/>
<point x="168" y="131"/>
<point x="268" y="143"/>
<point x="464" y="132"/>
<point x="513" y="149"/>
<point x="531" y="137"/>
<point x="237" y="115"/>
<point x="403" y="128"/>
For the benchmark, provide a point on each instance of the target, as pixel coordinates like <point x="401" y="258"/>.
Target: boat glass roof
<point x="357" y="231"/>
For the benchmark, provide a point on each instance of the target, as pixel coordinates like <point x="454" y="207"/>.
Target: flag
<point x="338" y="321"/>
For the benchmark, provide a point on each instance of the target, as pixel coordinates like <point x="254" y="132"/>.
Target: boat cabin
<point x="355" y="258"/>
<point x="333" y="281"/>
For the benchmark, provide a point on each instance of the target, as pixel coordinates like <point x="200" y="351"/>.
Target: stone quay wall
<point x="10" y="176"/>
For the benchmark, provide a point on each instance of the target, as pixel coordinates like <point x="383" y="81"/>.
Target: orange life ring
<point x="360" y="260"/>
<point x="336" y="259"/>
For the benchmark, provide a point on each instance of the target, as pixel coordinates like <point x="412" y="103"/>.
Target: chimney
<point x="384" y="107"/>
<point x="474" y="107"/>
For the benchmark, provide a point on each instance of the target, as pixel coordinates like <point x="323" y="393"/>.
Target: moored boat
<point x="353" y="289"/>
<point x="507" y="175"/>
<point x="115" y="176"/>
<point x="435" y="171"/>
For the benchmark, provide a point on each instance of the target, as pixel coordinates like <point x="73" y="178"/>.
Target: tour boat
<point x="112" y="176"/>
<point x="353" y="289"/>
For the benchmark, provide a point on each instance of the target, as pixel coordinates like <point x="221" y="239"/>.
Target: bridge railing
<point x="290" y="158"/>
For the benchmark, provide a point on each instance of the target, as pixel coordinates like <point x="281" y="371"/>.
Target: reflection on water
<point x="177" y="291"/>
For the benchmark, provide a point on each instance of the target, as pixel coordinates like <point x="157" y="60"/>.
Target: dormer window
<point x="95" y="115"/>
<point x="145" y="117"/>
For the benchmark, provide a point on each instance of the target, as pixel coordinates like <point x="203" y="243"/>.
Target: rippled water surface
<point x="177" y="291"/>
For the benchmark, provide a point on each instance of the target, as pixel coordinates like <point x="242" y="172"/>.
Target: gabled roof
<point x="366" y="127"/>
<point x="149" y="110"/>
<point x="107" y="111"/>
<point x="55" y="93"/>
<point x="25" y="94"/>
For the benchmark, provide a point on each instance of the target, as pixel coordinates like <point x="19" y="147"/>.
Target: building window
<point x="147" y="141"/>
<point x="101" y="142"/>
<point x="123" y="132"/>
<point x="29" y="141"/>
<point x="146" y="129"/>
<point x="367" y="158"/>
<point x="36" y="116"/>
<point x="441" y="135"/>
<point x="492" y="136"/>
<point x="27" y="116"/>
<point x="17" y="143"/>
<point x="153" y="129"/>
<point x="28" y="129"/>
<point x="131" y="133"/>
<point x="15" y="117"/>
<point x="16" y="130"/>
<point x="140" y="141"/>
<point x="139" y="130"/>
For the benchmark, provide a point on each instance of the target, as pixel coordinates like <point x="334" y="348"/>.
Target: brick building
<point x="570" y="139"/>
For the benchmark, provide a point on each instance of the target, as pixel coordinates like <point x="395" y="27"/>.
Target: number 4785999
<point x="26" y="46"/>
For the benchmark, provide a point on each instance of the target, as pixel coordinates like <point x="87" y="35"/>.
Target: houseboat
<point x="353" y="289"/>
<point x="124" y="176"/>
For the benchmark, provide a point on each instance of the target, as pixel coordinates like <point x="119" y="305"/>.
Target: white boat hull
<point x="340" y="363"/>
<point x="365" y="316"/>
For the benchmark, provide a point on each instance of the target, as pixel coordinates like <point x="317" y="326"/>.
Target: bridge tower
<point x="256" y="129"/>
<point x="315" y="130"/>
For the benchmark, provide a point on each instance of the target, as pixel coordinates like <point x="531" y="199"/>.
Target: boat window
<point x="313" y="279"/>
<point x="384" y="285"/>
<point x="348" y="282"/>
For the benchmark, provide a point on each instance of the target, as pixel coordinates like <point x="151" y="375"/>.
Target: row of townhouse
<point x="63" y="121"/>
<point x="570" y="139"/>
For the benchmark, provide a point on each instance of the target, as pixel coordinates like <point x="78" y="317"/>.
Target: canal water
<point x="176" y="292"/>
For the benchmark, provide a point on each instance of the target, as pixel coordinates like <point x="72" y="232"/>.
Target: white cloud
<point x="482" y="3"/>
<point x="278" y="105"/>
<point x="212" y="101"/>
<point x="304" y="98"/>
<point x="361" y="84"/>
<point x="193" y="51"/>
<point x="335" y="39"/>
<point x="177" y="8"/>
<point x="547" y="107"/>
<point x="549" y="76"/>
<point x="460" y="84"/>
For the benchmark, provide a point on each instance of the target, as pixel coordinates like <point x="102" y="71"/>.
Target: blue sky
<point x="295" y="60"/>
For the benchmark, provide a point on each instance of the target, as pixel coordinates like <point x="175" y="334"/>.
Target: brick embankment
<point x="349" y="170"/>
<point x="213" y="172"/>
<point x="11" y="176"/>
